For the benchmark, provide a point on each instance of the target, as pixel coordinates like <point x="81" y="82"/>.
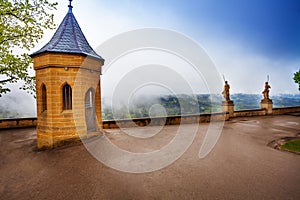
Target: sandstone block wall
<point x="160" y="121"/>
<point x="18" y="123"/>
<point x="55" y="126"/>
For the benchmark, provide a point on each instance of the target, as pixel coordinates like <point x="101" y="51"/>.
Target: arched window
<point x="44" y="98"/>
<point x="89" y="99"/>
<point x="67" y="97"/>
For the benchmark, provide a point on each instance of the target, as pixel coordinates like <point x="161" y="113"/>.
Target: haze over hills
<point x="168" y="105"/>
<point x="14" y="107"/>
<point x="17" y="106"/>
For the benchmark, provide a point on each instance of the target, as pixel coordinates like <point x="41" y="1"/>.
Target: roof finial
<point x="70" y="5"/>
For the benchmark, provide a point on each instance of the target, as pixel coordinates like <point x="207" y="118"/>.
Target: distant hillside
<point x="14" y="107"/>
<point x="186" y="104"/>
<point x="284" y="100"/>
<point x="252" y="101"/>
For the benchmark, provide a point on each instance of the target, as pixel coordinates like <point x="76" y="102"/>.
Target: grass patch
<point x="293" y="145"/>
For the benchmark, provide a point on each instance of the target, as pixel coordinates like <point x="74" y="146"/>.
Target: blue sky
<point x="265" y="26"/>
<point x="246" y="39"/>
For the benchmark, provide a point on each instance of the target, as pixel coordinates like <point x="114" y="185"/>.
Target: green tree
<point x="297" y="78"/>
<point x="22" y="24"/>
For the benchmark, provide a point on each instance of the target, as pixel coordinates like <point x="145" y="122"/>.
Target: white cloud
<point x="247" y="71"/>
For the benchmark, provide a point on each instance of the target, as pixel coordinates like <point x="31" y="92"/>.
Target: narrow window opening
<point x="67" y="97"/>
<point x="44" y="98"/>
<point x="91" y="99"/>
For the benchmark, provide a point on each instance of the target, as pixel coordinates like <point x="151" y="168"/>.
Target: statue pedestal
<point x="228" y="106"/>
<point x="268" y="105"/>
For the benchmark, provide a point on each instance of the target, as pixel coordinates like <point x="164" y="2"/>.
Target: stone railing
<point x="249" y="113"/>
<point x="18" y="122"/>
<point x="188" y="119"/>
<point x="284" y="110"/>
<point x="171" y="120"/>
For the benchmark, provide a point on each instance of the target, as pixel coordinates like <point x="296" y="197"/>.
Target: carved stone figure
<point x="266" y="92"/>
<point x="226" y="91"/>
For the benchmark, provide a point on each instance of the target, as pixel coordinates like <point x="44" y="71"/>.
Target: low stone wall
<point x="188" y="119"/>
<point x="262" y="111"/>
<point x="285" y="110"/>
<point x="18" y="123"/>
<point x="171" y="120"/>
<point x="249" y="113"/>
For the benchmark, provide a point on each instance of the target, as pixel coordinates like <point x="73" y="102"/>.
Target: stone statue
<point x="226" y="91"/>
<point x="266" y="92"/>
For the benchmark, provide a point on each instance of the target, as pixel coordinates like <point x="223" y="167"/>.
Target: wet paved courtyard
<point x="240" y="166"/>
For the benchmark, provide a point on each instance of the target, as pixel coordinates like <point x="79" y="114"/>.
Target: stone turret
<point x="67" y="86"/>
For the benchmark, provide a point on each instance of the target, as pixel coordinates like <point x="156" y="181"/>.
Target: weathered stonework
<point x="170" y="120"/>
<point x="228" y="106"/>
<point x="67" y="86"/>
<point x="268" y="105"/>
<point x="55" y="125"/>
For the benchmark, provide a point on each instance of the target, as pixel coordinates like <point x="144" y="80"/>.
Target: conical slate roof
<point x="69" y="38"/>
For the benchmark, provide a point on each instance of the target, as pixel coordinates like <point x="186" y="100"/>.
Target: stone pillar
<point x="268" y="105"/>
<point x="228" y="106"/>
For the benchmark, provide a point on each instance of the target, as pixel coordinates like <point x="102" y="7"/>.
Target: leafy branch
<point x="22" y="25"/>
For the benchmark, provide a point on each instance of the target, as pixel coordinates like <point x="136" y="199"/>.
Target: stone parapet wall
<point x="176" y="120"/>
<point x="249" y="113"/>
<point x="160" y="121"/>
<point x="172" y="120"/>
<point x="18" y="123"/>
<point x="284" y="110"/>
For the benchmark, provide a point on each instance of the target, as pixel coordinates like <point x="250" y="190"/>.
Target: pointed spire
<point x="69" y="38"/>
<point x="70" y="6"/>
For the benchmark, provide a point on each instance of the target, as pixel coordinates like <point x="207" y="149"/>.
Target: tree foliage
<point x="297" y="78"/>
<point x="22" y="24"/>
